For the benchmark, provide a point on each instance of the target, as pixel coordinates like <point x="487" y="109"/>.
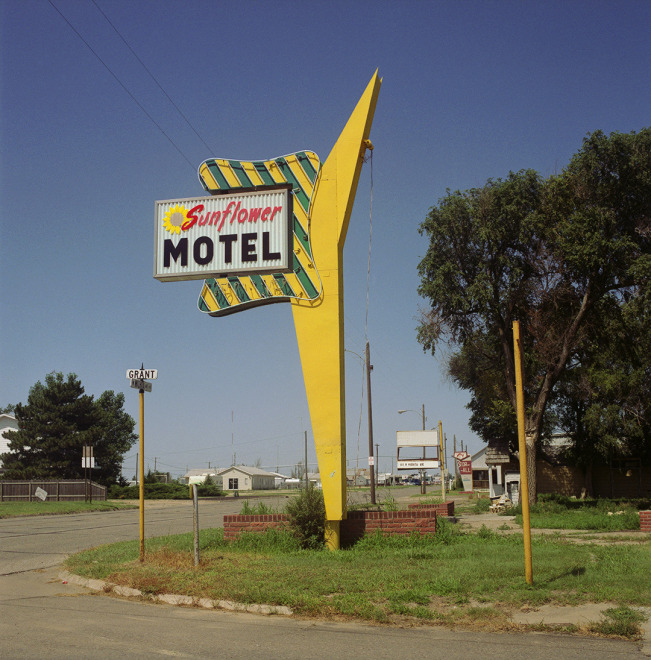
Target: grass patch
<point x="440" y="578"/>
<point x="15" y="509"/>
<point x="596" y="515"/>
<point x="258" y="509"/>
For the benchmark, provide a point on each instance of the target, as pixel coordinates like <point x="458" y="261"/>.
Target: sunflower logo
<point x="174" y="219"/>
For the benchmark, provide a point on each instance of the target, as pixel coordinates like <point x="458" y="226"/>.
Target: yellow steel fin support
<point x="320" y="322"/>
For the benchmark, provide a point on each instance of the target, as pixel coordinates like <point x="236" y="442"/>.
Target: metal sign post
<point x="88" y="463"/>
<point x="524" y="483"/>
<point x="137" y="381"/>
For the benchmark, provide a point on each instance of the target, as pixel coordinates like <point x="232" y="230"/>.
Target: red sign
<point x="465" y="467"/>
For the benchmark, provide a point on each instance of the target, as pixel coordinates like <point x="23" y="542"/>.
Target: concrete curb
<point x="547" y="614"/>
<point x="175" y="599"/>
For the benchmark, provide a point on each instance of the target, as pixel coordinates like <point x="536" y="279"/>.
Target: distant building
<point x="199" y="476"/>
<point x="243" y="477"/>
<point x="7" y="423"/>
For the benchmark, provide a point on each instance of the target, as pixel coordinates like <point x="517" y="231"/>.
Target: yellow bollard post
<point x="524" y="480"/>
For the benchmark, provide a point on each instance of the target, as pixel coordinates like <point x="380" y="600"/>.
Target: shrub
<point x="482" y="506"/>
<point x="307" y="517"/>
<point x="153" y="491"/>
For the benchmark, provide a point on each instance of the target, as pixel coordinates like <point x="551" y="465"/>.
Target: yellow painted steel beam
<point x="320" y="322"/>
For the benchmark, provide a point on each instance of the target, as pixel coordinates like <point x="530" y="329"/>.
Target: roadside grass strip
<point x="18" y="509"/>
<point x="451" y="578"/>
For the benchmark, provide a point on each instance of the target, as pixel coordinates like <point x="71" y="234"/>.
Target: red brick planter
<point x="441" y="508"/>
<point x="235" y="524"/>
<point x="645" y="521"/>
<point x="357" y="525"/>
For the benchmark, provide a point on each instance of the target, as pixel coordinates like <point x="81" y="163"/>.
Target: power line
<point x="151" y="75"/>
<point x="124" y="87"/>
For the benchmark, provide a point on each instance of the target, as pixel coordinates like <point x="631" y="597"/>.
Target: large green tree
<point x="604" y="400"/>
<point x="56" y="423"/>
<point x="545" y="251"/>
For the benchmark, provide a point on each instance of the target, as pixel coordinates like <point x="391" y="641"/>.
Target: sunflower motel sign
<point x="225" y="234"/>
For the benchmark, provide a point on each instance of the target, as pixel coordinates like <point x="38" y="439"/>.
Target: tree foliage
<point x="549" y="252"/>
<point x="58" y="420"/>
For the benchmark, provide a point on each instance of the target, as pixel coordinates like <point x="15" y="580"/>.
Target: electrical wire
<point x="124" y="87"/>
<point x="151" y="75"/>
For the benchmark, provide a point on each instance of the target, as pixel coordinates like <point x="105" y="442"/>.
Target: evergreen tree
<point x="57" y="422"/>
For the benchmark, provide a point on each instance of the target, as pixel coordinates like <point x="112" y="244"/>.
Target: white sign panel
<point x="418" y="438"/>
<point x="228" y="234"/>
<point x="417" y="464"/>
<point x="149" y="374"/>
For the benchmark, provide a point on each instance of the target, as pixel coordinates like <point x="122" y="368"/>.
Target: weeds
<point x="259" y="509"/>
<point x="620" y="621"/>
<point x="307" y="517"/>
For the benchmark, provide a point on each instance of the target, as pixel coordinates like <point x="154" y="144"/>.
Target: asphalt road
<point x="42" y="617"/>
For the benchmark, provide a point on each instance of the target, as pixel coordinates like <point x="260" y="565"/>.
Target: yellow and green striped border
<point x="227" y="295"/>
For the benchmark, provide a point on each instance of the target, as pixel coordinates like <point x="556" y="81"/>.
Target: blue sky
<point x="471" y="90"/>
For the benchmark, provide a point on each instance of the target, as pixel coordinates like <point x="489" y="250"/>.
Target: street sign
<point x="140" y="384"/>
<point x="461" y="455"/>
<point x="148" y="374"/>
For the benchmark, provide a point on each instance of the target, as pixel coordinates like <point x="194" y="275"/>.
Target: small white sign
<point x="140" y="384"/>
<point x="418" y="464"/>
<point x="371" y="460"/>
<point x="148" y="374"/>
<point x="41" y="494"/>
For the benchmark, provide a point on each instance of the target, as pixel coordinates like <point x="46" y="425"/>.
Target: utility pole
<point x="445" y="453"/>
<point x="306" y="477"/>
<point x="377" y="464"/>
<point x="442" y="460"/>
<point x="369" y="368"/>
<point x="423" y="487"/>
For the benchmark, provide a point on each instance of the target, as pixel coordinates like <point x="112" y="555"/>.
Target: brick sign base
<point x="419" y="519"/>
<point x="645" y="521"/>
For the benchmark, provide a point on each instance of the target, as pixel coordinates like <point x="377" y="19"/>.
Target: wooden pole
<point x="372" y="466"/>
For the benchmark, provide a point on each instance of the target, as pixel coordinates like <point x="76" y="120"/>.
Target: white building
<point x="199" y="476"/>
<point x="242" y="477"/>
<point x="497" y="478"/>
<point x="7" y="423"/>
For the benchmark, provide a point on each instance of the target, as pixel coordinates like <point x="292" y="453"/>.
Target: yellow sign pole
<point x="141" y="476"/>
<point x="524" y="481"/>
<point x="319" y="323"/>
